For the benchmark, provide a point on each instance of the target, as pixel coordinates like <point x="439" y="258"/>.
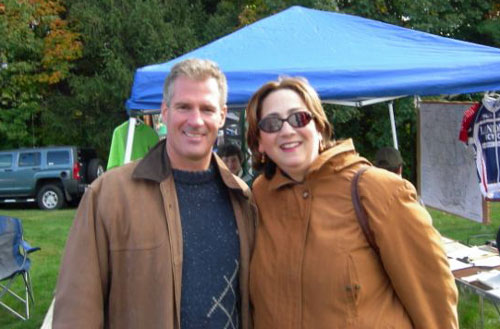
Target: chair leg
<point x="28" y="294"/>
<point x="13" y="311"/>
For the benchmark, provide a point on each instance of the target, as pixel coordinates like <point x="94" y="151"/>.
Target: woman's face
<point x="292" y="149"/>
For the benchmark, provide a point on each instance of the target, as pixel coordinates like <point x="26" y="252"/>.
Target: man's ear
<point x="164" y="112"/>
<point x="223" y="114"/>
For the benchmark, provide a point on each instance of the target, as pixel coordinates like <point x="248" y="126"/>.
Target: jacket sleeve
<point x="82" y="287"/>
<point x="411" y="252"/>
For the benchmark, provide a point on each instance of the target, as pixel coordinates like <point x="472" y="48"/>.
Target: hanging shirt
<point x="486" y="135"/>
<point x="144" y="139"/>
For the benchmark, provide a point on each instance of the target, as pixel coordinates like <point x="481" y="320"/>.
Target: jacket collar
<point x="340" y="156"/>
<point x="155" y="166"/>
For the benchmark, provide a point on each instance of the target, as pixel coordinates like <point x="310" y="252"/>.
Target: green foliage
<point x="370" y="128"/>
<point x="222" y="21"/>
<point x="453" y="18"/>
<point x="36" y="51"/>
<point x="257" y="9"/>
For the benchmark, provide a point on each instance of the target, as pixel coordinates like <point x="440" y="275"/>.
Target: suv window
<point x="55" y="158"/>
<point x="5" y="160"/>
<point x="29" y="159"/>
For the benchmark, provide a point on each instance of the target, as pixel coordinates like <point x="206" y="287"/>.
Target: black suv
<point x="51" y="176"/>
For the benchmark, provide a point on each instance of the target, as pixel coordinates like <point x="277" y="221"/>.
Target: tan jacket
<point x="312" y="267"/>
<point x="122" y="266"/>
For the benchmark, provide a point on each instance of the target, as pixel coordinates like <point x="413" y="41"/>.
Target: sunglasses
<point x="272" y="123"/>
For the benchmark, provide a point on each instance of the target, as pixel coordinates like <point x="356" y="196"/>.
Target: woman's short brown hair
<point x="254" y="111"/>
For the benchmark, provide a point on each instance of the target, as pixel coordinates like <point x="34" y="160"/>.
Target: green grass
<point x="459" y="229"/>
<point x="49" y="230"/>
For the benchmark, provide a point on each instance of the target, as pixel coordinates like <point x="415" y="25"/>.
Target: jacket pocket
<point x="352" y="289"/>
<point x="137" y="233"/>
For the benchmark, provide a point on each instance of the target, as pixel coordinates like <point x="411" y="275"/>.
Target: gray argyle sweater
<point x="210" y="268"/>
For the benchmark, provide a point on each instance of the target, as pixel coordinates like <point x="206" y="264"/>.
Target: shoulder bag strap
<point x="360" y="211"/>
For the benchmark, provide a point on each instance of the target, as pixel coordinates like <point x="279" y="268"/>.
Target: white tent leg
<point x="130" y="139"/>
<point x="393" y="125"/>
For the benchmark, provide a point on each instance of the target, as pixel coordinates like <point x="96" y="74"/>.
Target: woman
<point x="312" y="266"/>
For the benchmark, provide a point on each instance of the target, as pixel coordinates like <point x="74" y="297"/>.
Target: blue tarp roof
<point x="342" y="56"/>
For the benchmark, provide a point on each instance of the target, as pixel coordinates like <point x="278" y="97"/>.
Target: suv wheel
<point x="50" y="197"/>
<point x="94" y="169"/>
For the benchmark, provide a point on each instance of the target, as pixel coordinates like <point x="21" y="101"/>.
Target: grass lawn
<point x="49" y="229"/>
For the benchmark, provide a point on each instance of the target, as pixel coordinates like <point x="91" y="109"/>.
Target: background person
<point x="312" y="266"/>
<point x="390" y="159"/>
<point x="233" y="158"/>
<point x="164" y="242"/>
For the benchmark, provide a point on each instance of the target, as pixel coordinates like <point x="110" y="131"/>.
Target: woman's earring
<point x="263" y="158"/>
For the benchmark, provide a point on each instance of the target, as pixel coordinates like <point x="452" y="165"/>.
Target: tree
<point x="118" y="37"/>
<point x="36" y="50"/>
<point x="257" y="9"/>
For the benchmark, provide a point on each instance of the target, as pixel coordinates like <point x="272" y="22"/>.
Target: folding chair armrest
<point x="28" y="248"/>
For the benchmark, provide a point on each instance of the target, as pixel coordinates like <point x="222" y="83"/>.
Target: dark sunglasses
<point x="272" y="123"/>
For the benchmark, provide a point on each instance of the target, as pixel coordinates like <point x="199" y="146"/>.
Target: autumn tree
<point x="37" y="51"/>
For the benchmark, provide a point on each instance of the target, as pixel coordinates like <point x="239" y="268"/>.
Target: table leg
<point x="481" y="310"/>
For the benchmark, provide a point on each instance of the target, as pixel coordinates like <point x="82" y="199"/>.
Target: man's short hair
<point x="388" y="158"/>
<point x="228" y="150"/>
<point x="196" y="69"/>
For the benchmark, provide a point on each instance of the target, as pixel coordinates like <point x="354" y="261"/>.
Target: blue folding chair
<point x="14" y="263"/>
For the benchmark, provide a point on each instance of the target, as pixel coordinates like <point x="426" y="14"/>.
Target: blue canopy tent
<point x="348" y="59"/>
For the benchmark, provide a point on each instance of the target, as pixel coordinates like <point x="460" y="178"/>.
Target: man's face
<point x="193" y="119"/>
<point x="233" y="163"/>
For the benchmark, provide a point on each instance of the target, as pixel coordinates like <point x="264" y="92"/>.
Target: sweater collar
<point x="155" y="166"/>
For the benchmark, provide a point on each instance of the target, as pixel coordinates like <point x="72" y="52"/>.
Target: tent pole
<point x="130" y="139"/>
<point x="393" y="125"/>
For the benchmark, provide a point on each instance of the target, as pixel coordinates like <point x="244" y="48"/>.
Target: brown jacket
<point x="312" y="267"/>
<point x="122" y="266"/>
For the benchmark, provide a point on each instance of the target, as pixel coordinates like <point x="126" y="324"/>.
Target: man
<point x="233" y="158"/>
<point x="390" y="159"/>
<point x="164" y="242"/>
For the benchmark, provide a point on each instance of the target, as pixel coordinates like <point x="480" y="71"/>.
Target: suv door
<point x="6" y="179"/>
<point x="27" y="167"/>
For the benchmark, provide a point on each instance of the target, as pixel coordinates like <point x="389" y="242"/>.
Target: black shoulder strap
<point x="360" y="211"/>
